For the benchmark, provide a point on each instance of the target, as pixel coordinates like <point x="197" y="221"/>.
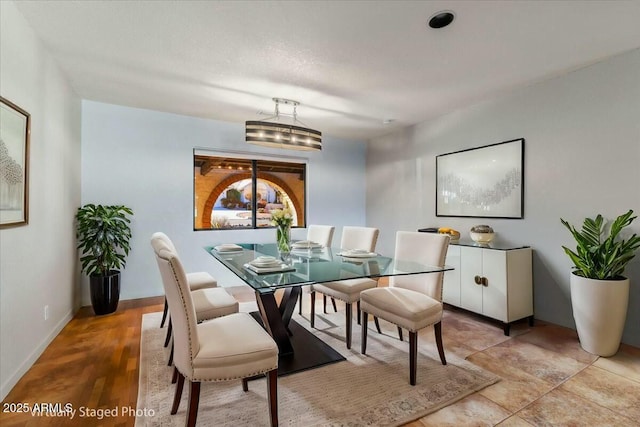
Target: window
<point x="239" y="192"/>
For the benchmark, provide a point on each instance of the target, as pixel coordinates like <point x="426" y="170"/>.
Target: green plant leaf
<point x="598" y="254"/>
<point x="103" y="235"/>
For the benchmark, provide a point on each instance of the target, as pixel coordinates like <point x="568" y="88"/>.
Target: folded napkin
<point x="306" y="244"/>
<point x="265" y="261"/>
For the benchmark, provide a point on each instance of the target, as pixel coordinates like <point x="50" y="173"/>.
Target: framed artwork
<point x="15" y="124"/>
<point x="482" y="182"/>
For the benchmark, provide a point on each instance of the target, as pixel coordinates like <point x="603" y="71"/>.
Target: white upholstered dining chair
<point x="348" y="291"/>
<point x="197" y="280"/>
<point x="412" y="302"/>
<point x="322" y="234"/>
<point x="222" y="349"/>
<point x="208" y="302"/>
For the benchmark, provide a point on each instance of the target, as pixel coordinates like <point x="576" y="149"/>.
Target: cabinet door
<point x="494" y="295"/>
<point x="451" y="284"/>
<point x="470" y="267"/>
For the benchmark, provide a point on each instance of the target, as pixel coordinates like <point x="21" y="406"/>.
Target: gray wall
<point x="144" y="159"/>
<point x="38" y="260"/>
<point x="582" y="157"/>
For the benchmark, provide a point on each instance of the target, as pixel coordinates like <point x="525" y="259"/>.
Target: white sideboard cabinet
<point x="496" y="282"/>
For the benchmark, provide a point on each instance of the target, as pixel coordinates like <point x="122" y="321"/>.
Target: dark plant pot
<point x="105" y="292"/>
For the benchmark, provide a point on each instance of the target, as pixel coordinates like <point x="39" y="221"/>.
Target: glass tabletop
<point x="308" y="266"/>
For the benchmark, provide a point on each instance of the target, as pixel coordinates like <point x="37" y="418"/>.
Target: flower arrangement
<point x="282" y="220"/>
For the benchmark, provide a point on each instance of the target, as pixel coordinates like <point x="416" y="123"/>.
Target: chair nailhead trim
<point x="219" y="380"/>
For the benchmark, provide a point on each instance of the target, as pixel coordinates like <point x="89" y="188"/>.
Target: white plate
<point x="276" y="269"/>
<point x="266" y="262"/>
<point x="358" y="254"/>
<point x="228" y="247"/>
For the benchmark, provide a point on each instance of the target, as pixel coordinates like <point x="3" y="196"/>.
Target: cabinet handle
<point x="478" y="280"/>
<point x="484" y="281"/>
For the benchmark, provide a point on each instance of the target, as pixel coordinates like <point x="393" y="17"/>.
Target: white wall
<point x="582" y="157"/>
<point x="38" y="261"/>
<point x="144" y="159"/>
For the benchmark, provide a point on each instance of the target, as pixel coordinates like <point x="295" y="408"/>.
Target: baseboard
<point x="35" y="354"/>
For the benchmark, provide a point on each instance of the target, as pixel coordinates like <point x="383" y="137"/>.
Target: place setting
<point x="306" y="245"/>
<point x="268" y="264"/>
<point x="307" y="249"/>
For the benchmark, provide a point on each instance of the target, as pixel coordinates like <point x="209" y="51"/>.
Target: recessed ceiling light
<point x="388" y="121"/>
<point x="441" y="19"/>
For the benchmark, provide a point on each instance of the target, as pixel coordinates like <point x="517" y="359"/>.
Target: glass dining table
<point x="300" y="349"/>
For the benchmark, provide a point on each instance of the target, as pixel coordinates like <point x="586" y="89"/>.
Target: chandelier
<point x="271" y="132"/>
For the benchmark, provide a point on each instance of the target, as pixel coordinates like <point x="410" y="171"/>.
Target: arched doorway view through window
<point x="236" y="193"/>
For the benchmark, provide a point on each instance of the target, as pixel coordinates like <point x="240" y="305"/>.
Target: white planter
<point x="600" y="311"/>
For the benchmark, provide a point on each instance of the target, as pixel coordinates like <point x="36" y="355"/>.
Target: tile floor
<point x="547" y="379"/>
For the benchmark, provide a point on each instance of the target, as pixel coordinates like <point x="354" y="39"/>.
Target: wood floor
<point x="546" y="378"/>
<point x="92" y="363"/>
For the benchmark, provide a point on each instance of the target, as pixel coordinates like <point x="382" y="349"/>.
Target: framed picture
<point x="482" y="182"/>
<point x="15" y="126"/>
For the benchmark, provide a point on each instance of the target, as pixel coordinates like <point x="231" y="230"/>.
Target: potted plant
<point x="599" y="291"/>
<point x="103" y="235"/>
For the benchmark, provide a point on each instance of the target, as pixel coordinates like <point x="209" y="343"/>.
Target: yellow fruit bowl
<point x="453" y="234"/>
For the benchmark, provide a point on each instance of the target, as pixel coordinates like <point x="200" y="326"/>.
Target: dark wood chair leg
<point x="272" y="385"/>
<point x="174" y="378"/>
<point x="348" y="314"/>
<point x="194" y="400"/>
<point x="312" y="316"/>
<point x="375" y="320"/>
<point x="363" y="344"/>
<point x="245" y="384"/>
<point x="324" y="304"/>
<point x="300" y="304"/>
<point x="178" y="394"/>
<point x="170" y="362"/>
<point x="437" y="329"/>
<point x="358" y="309"/>
<point x="333" y="302"/>
<point x="400" y="333"/>
<point x="168" y="337"/>
<point x="413" y="356"/>
<point x="164" y="312"/>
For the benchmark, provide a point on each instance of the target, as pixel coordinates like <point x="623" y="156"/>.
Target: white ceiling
<point x="351" y="64"/>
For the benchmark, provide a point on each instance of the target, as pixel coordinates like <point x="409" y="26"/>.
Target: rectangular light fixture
<point x="278" y="135"/>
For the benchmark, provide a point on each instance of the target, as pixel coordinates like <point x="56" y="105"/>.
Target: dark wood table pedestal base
<point x="292" y="338"/>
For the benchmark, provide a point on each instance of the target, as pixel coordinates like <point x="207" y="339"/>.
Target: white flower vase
<point x="600" y="311"/>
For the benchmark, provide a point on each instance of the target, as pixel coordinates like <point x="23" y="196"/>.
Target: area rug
<point x="370" y="390"/>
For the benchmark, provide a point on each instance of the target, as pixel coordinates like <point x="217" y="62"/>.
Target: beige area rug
<point x="371" y="390"/>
